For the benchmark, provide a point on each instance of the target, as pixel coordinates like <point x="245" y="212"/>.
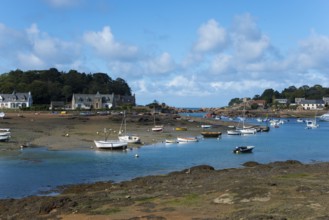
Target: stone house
<point x="16" y="100"/>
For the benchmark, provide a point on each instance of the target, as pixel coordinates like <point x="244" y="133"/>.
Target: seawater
<point x="37" y="171"/>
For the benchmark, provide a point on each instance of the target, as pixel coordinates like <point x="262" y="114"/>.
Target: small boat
<point x="187" y="139"/>
<point x="133" y="139"/>
<point x="181" y="128"/>
<point x="233" y="132"/>
<point x="248" y="131"/>
<point x="111" y="144"/>
<point x="5" y="134"/>
<point x="211" y="134"/>
<point x="243" y="149"/>
<point x="171" y="141"/>
<point x="310" y="124"/>
<point x="324" y="117"/>
<point x="206" y="126"/>
<point x="157" y="128"/>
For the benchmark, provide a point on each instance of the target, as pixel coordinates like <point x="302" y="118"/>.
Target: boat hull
<point x="243" y="149"/>
<point x="187" y="139"/>
<point x="211" y="134"/>
<point x="111" y="144"/>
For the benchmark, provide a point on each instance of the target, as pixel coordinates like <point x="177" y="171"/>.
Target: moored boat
<point x="111" y="144"/>
<point x="211" y="134"/>
<point x="171" y="141"/>
<point x="233" y="132"/>
<point x="187" y="139"/>
<point x="243" y="149"/>
<point x="181" y="128"/>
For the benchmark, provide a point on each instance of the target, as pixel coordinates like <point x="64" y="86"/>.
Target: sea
<point x="39" y="171"/>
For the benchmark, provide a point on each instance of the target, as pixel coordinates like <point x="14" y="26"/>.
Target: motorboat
<point x="111" y="144"/>
<point x="243" y="149"/>
<point x="311" y="124"/>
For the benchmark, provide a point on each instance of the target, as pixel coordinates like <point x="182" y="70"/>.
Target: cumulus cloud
<point x="105" y="45"/>
<point x="161" y="64"/>
<point x="314" y="52"/>
<point x="211" y="37"/>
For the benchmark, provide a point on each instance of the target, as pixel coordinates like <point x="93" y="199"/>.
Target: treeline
<point x="290" y="93"/>
<point x="52" y="85"/>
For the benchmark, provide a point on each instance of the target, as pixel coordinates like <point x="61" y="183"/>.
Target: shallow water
<point x="36" y="171"/>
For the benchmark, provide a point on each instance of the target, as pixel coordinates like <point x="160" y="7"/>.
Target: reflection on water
<point x="38" y="170"/>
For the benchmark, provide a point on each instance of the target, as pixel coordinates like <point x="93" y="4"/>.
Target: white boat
<point x="187" y="139"/>
<point x="248" y="131"/>
<point x="134" y="139"/>
<point x="206" y="126"/>
<point x="171" y="141"/>
<point x="311" y="124"/>
<point x="233" y="132"/>
<point x="111" y="144"/>
<point x="324" y="117"/>
<point x="5" y="134"/>
<point x="157" y="128"/>
<point x="4" y="138"/>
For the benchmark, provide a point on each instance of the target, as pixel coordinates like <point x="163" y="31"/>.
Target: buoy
<point x="67" y="135"/>
<point x="136" y="155"/>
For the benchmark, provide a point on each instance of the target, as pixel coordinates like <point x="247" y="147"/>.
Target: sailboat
<point x="156" y="128"/>
<point x="244" y="129"/>
<point x="110" y="144"/>
<point x="134" y="139"/>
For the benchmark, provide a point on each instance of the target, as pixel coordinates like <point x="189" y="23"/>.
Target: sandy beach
<point x="66" y="132"/>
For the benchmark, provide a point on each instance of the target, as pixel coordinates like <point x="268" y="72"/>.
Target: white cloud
<point x="211" y="37"/>
<point x="162" y="64"/>
<point x="106" y="46"/>
<point x="249" y="43"/>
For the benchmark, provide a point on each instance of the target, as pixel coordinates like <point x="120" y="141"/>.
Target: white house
<point x="312" y="104"/>
<point x="16" y="100"/>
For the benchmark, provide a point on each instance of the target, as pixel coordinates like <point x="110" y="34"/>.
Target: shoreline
<point x="277" y="190"/>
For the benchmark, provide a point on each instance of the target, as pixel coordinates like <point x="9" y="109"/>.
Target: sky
<point x="184" y="53"/>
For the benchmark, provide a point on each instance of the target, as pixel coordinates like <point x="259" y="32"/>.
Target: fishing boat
<point x="243" y="149"/>
<point x="187" y="139"/>
<point x="123" y="136"/>
<point x="211" y="134"/>
<point x="110" y="144"/>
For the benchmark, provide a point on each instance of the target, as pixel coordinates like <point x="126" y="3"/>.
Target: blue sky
<point x="187" y="53"/>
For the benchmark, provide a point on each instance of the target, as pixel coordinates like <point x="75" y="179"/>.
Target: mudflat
<point x="280" y="190"/>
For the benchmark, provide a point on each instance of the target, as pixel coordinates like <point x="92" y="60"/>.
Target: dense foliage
<point x="290" y="93"/>
<point x="52" y="85"/>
